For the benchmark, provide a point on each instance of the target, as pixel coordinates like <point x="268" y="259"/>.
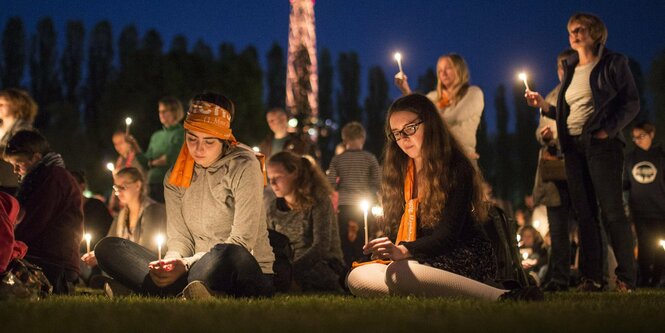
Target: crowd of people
<point x="243" y="223"/>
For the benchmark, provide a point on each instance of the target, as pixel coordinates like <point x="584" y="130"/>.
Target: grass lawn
<point x="641" y="311"/>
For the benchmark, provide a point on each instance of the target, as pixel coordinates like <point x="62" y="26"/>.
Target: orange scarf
<point x="407" y="225"/>
<point x="202" y="117"/>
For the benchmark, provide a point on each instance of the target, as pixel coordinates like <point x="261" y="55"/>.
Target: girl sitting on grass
<point x="217" y="236"/>
<point x="303" y="212"/>
<point x="432" y="197"/>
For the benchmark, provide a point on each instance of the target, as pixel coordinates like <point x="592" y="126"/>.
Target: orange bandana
<point x="202" y="117"/>
<point x="407" y="225"/>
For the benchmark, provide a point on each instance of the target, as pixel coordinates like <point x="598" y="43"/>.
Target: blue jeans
<point x="594" y="173"/>
<point x="227" y="268"/>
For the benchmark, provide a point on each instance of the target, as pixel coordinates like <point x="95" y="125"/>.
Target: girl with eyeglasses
<point x="141" y="217"/>
<point x="432" y="199"/>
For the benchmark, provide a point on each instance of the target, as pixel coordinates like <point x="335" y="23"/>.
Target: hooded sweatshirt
<point x="223" y="204"/>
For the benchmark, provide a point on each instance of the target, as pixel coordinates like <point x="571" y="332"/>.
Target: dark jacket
<point x="52" y="226"/>
<point x="615" y="98"/>
<point x="645" y="183"/>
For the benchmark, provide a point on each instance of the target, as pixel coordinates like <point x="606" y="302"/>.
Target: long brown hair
<point x="445" y="168"/>
<point x="310" y="182"/>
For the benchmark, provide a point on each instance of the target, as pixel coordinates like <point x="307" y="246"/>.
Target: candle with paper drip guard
<point x="398" y="58"/>
<point x="160" y="240"/>
<point x="522" y="77"/>
<point x="87" y="238"/>
<point x="365" y="207"/>
<point x="128" y="121"/>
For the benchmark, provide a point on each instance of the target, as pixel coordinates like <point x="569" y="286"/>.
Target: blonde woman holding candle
<point x="432" y="199"/>
<point x="303" y="212"/>
<point x="140" y="219"/>
<point x="459" y="103"/>
<point x="217" y="238"/>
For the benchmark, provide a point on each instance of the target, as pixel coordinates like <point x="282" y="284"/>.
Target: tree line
<point x="86" y="90"/>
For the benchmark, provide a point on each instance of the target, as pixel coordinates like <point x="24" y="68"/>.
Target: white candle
<point x="87" y="237"/>
<point x="522" y="77"/>
<point x="160" y="240"/>
<point x="128" y="121"/>
<point x="398" y="57"/>
<point x="110" y="166"/>
<point x="365" y="206"/>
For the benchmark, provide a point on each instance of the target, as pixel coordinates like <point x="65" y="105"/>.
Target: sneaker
<point x="196" y="290"/>
<point x="527" y="294"/>
<point x="113" y="288"/>
<point x="588" y="285"/>
<point x="554" y="287"/>
<point x="623" y="287"/>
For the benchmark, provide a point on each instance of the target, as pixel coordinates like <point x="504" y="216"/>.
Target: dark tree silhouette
<point x="43" y="69"/>
<point x="276" y="77"/>
<point x="376" y="105"/>
<point x="348" y="68"/>
<point x="12" y="65"/>
<point x="72" y="61"/>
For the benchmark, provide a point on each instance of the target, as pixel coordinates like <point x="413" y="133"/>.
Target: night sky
<point x="497" y="38"/>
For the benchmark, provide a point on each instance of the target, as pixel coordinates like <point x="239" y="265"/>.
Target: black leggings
<point x="227" y="268"/>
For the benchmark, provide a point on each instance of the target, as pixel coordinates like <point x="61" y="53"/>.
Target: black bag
<point x="23" y="280"/>
<point x="282" y="269"/>
<point x="500" y="229"/>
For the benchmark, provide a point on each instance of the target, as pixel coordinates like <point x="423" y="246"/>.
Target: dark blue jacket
<point x="615" y="98"/>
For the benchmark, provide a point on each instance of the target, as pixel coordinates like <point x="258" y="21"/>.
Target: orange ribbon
<point x="407" y="225"/>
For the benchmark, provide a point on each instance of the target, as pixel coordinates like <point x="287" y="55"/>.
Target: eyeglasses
<point x="578" y="30"/>
<point x="122" y="188"/>
<point x="407" y="131"/>
<point x="639" y="137"/>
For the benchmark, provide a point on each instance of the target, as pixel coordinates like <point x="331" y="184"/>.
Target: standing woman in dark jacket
<point x="598" y="98"/>
<point x="432" y="197"/>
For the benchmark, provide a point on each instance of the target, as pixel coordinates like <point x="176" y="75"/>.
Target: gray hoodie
<point x="223" y="204"/>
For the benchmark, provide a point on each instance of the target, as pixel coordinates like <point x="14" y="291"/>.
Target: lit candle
<point x="160" y="240"/>
<point x="87" y="237"/>
<point x="525" y="255"/>
<point x="398" y="57"/>
<point x="128" y="121"/>
<point x="662" y="243"/>
<point x="256" y="149"/>
<point x="110" y="166"/>
<point x="365" y="206"/>
<point x="522" y="77"/>
<point x="377" y="211"/>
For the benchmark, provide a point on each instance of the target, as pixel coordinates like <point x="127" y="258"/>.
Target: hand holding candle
<point x="522" y="77"/>
<point x="87" y="238"/>
<point x="128" y="121"/>
<point x="398" y="58"/>
<point x="365" y="206"/>
<point x="160" y="240"/>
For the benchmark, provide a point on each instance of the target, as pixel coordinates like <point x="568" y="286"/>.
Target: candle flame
<point x="87" y="237"/>
<point x="662" y="243"/>
<point x="159" y="239"/>
<point x="398" y="56"/>
<point x="128" y="121"/>
<point x="256" y="149"/>
<point x="522" y="76"/>
<point x="110" y="166"/>
<point x="364" y="205"/>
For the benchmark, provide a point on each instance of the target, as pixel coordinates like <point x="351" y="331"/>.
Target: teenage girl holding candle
<point x="303" y="212"/>
<point x="432" y="198"/>
<point x="217" y="237"/>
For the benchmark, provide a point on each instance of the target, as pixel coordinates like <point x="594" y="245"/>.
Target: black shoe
<point x="554" y="287"/>
<point x="588" y="285"/>
<point x="528" y="294"/>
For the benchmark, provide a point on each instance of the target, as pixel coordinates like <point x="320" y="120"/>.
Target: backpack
<point x="23" y="280"/>
<point x="500" y="229"/>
